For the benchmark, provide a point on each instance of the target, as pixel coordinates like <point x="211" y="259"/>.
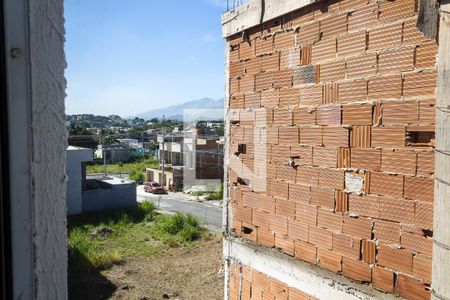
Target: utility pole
<point x="104" y="159"/>
<point x="163" y="154"/>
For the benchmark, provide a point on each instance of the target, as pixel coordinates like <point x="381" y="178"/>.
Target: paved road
<point x="209" y="214"/>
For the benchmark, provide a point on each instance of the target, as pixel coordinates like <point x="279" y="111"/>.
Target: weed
<point x="177" y="229"/>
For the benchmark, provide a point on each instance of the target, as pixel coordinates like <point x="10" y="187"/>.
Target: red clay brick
<point x="425" y="163"/>
<point x="285" y="208"/>
<point x="417" y="243"/>
<point x="346" y="245"/>
<point x="411" y="288"/>
<point x="332" y="71"/>
<point x="334" y="25"/>
<point x="366" y="206"/>
<point x="352" y="44"/>
<point x="366" y="159"/>
<point x="363" y="17"/>
<point x="309" y="33"/>
<point x="283" y="40"/>
<point x="422" y="267"/>
<point x="420" y="84"/>
<point x="302" y="154"/>
<point x="411" y="33"/>
<point x="404" y="112"/>
<point x="304" y="116"/>
<point x="396" y="61"/>
<point x="242" y="214"/>
<point x="298" y="230"/>
<point x="325" y="157"/>
<point x="383" y="279"/>
<point x="306" y="252"/>
<point x="248" y="232"/>
<point x="329" y="260"/>
<point x="361" y="137"/>
<point x="320" y="237"/>
<point x="357" y="114"/>
<point x="388" y="137"/>
<point x="332" y="179"/>
<point x="311" y="136"/>
<point x="288" y="136"/>
<point x="270" y="63"/>
<point x="260" y="219"/>
<point x="387" y="232"/>
<point x="289" y="97"/>
<point x="386" y="87"/>
<point x="322" y="197"/>
<point x="299" y="193"/>
<point x="308" y="175"/>
<point x="324" y="50"/>
<point x="306" y="55"/>
<point x="400" y="162"/>
<point x="266" y="203"/>
<point x="358" y="227"/>
<point x="282" y="117"/>
<point x="362" y="66"/>
<point x="330" y="93"/>
<point x="279" y="189"/>
<point x="311" y="95"/>
<point x="396" y="10"/>
<point x="368" y="251"/>
<point x="426" y="55"/>
<point x="306" y="214"/>
<point x="265" y="237"/>
<point x="279" y="224"/>
<point x="262" y="81"/>
<point x="397" y="210"/>
<point x="424" y="215"/>
<point x="386" y="184"/>
<point x="351" y="91"/>
<point x="417" y="188"/>
<point x="270" y="98"/>
<point x="250" y="199"/>
<point x="264" y="45"/>
<point x="389" y="36"/>
<point x="335" y="137"/>
<point x="356" y="270"/>
<point x="328" y="115"/>
<point x="285" y="243"/>
<point x="282" y="79"/>
<point x="393" y="258"/>
<point x="329" y="220"/>
<point x="308" y="74"/>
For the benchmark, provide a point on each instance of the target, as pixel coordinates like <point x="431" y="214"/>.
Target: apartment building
<point x="335" y="119"/>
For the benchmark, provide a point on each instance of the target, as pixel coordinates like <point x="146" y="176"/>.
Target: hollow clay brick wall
<point x="335" y="108"/>
<point x="246" y="283"/>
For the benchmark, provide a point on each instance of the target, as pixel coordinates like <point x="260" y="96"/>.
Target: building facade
<point x="331" y="136"/>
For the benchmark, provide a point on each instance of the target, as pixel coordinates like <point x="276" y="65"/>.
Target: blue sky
<point x="130" y="56"/>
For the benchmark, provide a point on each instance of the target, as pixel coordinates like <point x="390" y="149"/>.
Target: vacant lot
<point x="140" y="254"/>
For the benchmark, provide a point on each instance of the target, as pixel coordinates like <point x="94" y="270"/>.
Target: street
<point x="211" y="215"/>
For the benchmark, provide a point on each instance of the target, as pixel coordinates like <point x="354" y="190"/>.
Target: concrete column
<point x="441" y="247"/>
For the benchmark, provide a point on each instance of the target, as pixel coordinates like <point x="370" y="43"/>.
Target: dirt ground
<point x="178" y="273"/>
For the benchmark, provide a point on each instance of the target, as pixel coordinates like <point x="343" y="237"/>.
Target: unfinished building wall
<point x="331" y="141"/>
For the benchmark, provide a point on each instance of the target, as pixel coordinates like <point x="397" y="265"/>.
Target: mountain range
<point x="176" y="112"/>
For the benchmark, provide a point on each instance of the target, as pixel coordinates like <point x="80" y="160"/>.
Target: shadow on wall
<point x="86" y="283"/>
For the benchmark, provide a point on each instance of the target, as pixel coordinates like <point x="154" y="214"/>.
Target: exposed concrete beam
<point x="441" y="247"/>
<point x="315" y="281"/>
<point x="257" y="12"/>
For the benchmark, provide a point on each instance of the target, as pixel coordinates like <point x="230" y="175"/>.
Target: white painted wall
<point x="75" y="156"/>
<point x="36" y="92"/>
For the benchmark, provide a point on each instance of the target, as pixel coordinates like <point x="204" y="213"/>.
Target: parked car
<point x="153" y="187"/>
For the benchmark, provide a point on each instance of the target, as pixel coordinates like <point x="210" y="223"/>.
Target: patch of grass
<point x="136" y="167"/>
<point x="177" y="229"/>
<point x="100" y="240"/>
<point x="217" y="195"/>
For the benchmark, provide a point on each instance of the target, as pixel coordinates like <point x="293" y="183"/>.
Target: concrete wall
<point x="74" y="172"/>
<point x="118" y="197"/>
<point x="36" y="92"/>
